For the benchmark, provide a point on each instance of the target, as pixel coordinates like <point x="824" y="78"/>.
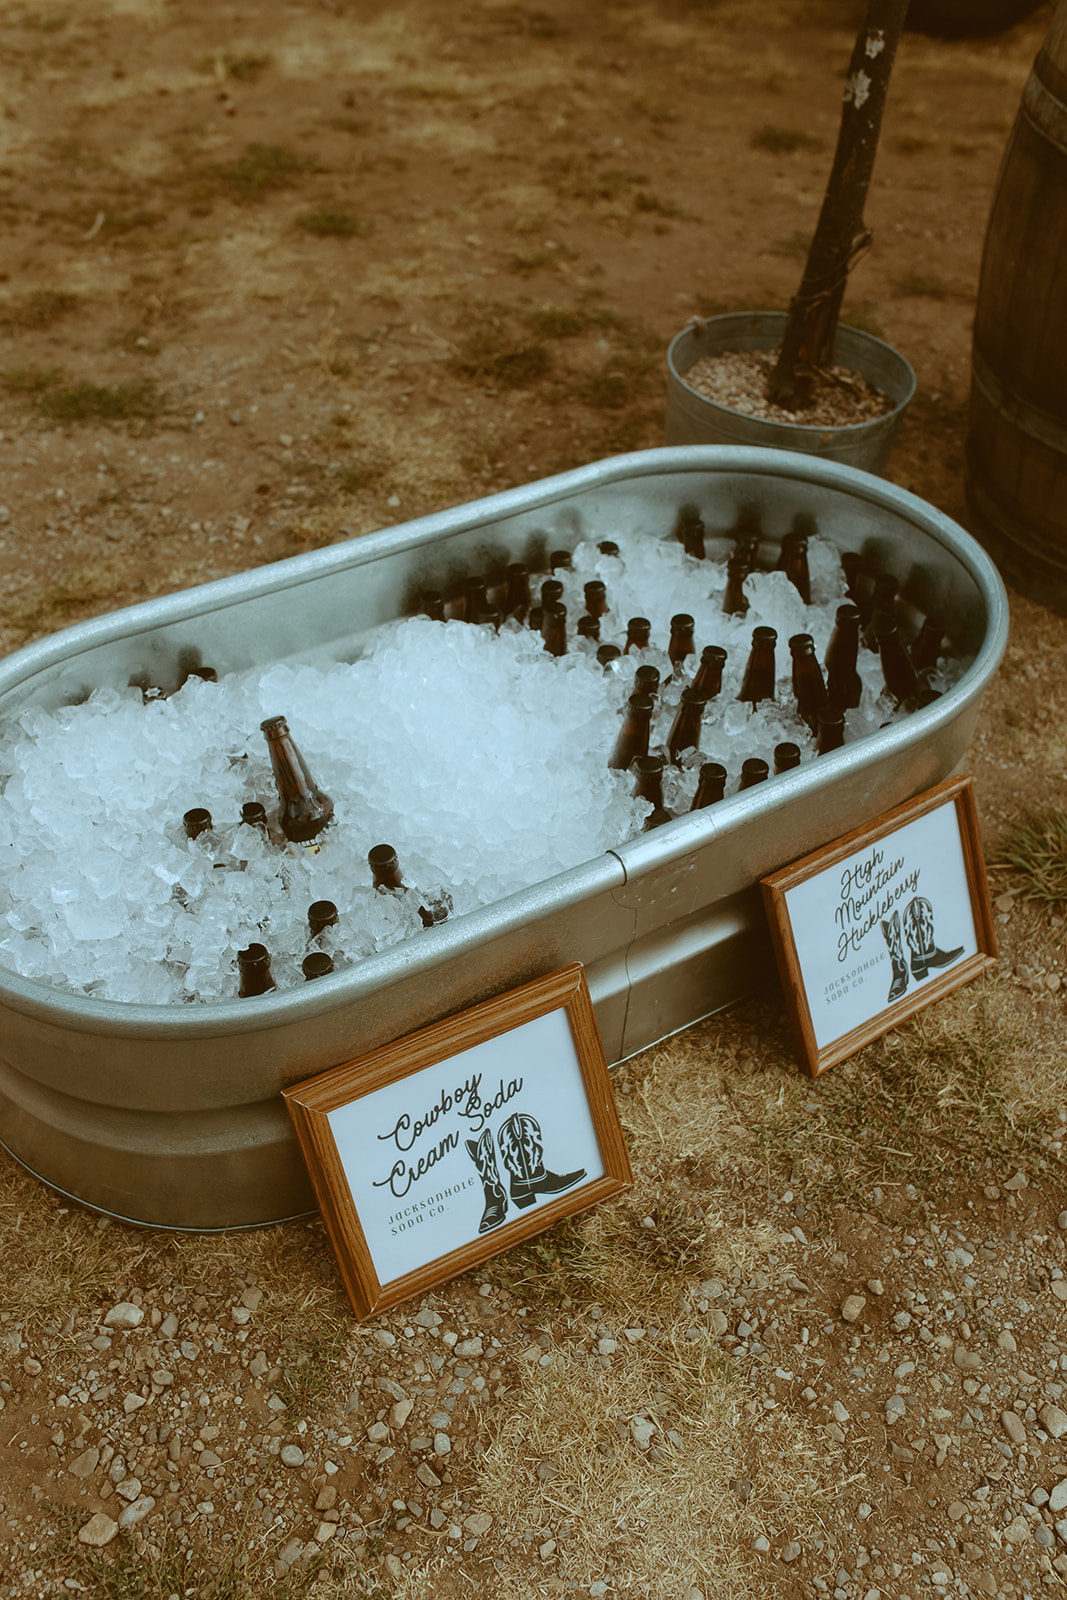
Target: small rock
<point x="1057" y="1500"/>
<point x="326" y="1498"/>
<point x="956" y="1510"/>
<point x="129" y="1488"/>
<point x="852" y="1309"/>
<point x="875" y="1286"/>
<point x="742" y="1488"/>
<point x="840" y="1414"/>
<point x="1044" y="1536"/>
<point x="325" y="1531"/>
<point x="1017" y="1531"/>
<point x="427" y="1476"/>
<point x="470" y="1347"/>
<point x="400" y="1413"/>
<point x="1059" y="1288"/>
<point x="1012" y="1424"/>
<point x="641" y="1431"/>
<point x="442" y="1444"/>
<point x="547" y="1549"/>
<point x="791" y="1551"/>
<point x="99" y="1530"/>
<point x="252" y="1297"/>
<point x="1019" y="1181"/>
<point x="479" y="1524"/>
<point x="1061" y="1222"/>
<point x="761" y="1543"/>
<point x="895" y="1407"/>
<point x="547" y="1470"/>
<point x="426" y="1318"/>
<point x="124" y="1315"/>
<point x="717" y="1321"/>
<point x="1006" y="1340"/>
<point x="133" y="1402"/>
<point x="137" y="1511"/>
<point x="85" y="1465"/>
<point x="966" y="1360"/>
<point x="291" y="1455"/>
<point x="378" y="1432"/>
<point x="240" y="1316"/>
<point x="1053" y="1420"/>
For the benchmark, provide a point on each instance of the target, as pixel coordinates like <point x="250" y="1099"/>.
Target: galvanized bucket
<point x="693" y="419"/>
<point x="172" y="1116"/>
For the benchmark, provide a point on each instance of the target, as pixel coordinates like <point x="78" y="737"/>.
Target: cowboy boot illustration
<point x="522" y="1148"/>
<point x="496" y="1201"/>
<point x="919" y="932"/>
<point x="891" y="933"/>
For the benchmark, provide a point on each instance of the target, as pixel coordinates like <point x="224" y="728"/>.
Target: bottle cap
<point x="321" y="914"/>
<point x="647" y="678"/>
<point x="254" y="812"/>
<point x="271" y="725"/>
<point x="317" y="965"/>
<point x="382" y="857"/>
<point x="197" y="821"/>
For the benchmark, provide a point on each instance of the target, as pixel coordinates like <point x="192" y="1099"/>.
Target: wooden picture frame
<point x="880" y="923"/>
<point x="436" y="1152"/>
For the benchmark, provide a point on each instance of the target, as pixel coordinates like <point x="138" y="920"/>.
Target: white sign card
<point x="470" y="1142"/>
<point x="437" y="1151"/>
<point x="874" y="926"/>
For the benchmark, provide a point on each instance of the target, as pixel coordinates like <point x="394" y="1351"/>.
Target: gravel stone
<point x="291" y="1455"/>
<point x="124" y="1315"/>
<point x="98" y="1531"/>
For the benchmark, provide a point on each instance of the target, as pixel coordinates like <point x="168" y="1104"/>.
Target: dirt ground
<point x="275" y="275"/>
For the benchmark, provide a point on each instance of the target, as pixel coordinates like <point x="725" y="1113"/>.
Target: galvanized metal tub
<point x="694" y="419"/>
<point x="172" y="1117"/>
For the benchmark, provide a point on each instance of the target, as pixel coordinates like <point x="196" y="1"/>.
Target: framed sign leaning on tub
<point x="873" y="927"/>
<point x="432" y="1154"/>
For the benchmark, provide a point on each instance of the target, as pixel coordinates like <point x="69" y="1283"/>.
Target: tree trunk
<point x="841" y="234"/>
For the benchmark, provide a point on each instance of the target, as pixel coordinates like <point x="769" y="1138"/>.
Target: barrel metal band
<point x="1047" y="115"/>
<point x="1040" y="425"/>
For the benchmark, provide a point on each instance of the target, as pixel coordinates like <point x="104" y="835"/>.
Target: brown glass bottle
<point x="254" y="815"/>
<point x="554" y="630"/>
<point x="734" y="601"/>
<point x="633" y="737"/>
<point x="253" y="965"/>
<point x="758" y="682"/>
<point x="589" y="628"/>
<point x="196" y="822"/>
<point x="607" y="655"/>
<point x="711" y="785"/>
<point x="322" y="914"/>
<point x="648" y="770"/>
<point x="685" y="730"/>
<point x="304" y="810"/>
<point x="831" y="730"/>
<point x="608" y="547"/>
<point x="843" y="684"/>
<point x="855" y="582"/>
<point x="708" y="676"/>
<point x="433" y="604"/>
<point x="387" y="880"/>
<point x="883" y="603"/>
<point x="793" y="561"/>
<point x="551" y="593"/>
<point x="560" y="561"/>
<point x="926" y="650"/>
<point x="476" y="607"/>
<point x="691" y="532"/>
<point x="809" y="690"/>
<point x="317" y="965"/>
<point x="646" y="679"/>
<point x="517" y="599"/>
<point x="596" y="597"/>
<point x="682" y="644"/>
<point x="900" y="678"/>
<point x="754" y="770"/>
<point x="638" y="631"/>
<point x="786" y="757"/>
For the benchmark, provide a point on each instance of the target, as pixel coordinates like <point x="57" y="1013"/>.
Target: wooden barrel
<point x="1017" y="441"/>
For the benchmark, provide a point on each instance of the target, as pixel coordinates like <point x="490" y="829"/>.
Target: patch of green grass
<point x="40" y="309"/>
<point x="578" y="178"/>
<point x="312" y="1376"/>
<point x="920" y="285"/>
<point x="334" y="222"/>
<point x="493" y="350"/>
<point x="1037" y="854"/>
<point x="925" y="1106"/>
<point x="103" y="402"/>
<point x="616" y="385"/>
<point x="562" y="1264"/>
<point x="782" y="141"/>
<point x="261" y="170"/>
<point x="912" y="144"/>
<point x="353" y="125"/>
<point x="358" y="475"/>
<point x="29" y="380"/>
<point x="647" y="202"/>
<point x="671" y="1238"/>
<point x="563" y="322"/>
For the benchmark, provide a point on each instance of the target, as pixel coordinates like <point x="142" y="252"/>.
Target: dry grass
<point x="1036" y="854"/>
